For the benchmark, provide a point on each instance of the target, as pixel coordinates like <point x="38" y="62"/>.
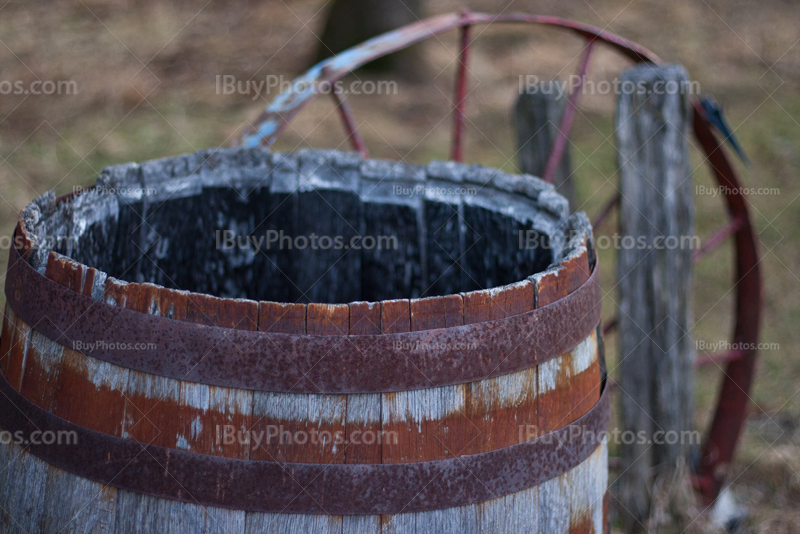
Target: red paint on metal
<point x="606" y="211"/>
<point x="717" y="238"/>
<point x="731" y="410"/>
<point x="705" y="360"/>
<point x="610" y="325"/>
<point x="630" y="49"/>
<point x="335" y="68"/>
<point x="733" y="396"/>
<point x="350" y="125"/>
<point x="456" y="154"/>
<point x="566" y="121"/>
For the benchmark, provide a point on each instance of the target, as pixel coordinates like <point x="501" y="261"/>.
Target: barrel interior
<point x="317" y="230"/>
<point x="316" y="246"/>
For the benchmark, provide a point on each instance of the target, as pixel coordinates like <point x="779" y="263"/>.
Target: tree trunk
<point x="350" y="22"/>
<point x="537" y="117"/>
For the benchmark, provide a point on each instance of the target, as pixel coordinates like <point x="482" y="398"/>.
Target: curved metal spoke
<point x="606" y="211"/>
<point x="562" y="135"/>
<point x="731" y="411"/>
<point x="610" y="325"/>
<point x="274" y="119"/>
<point x="704" y="360"/>
<point x="350" y="125"/>
<point x="456" y="154"/>
<point x="717" y="238"/>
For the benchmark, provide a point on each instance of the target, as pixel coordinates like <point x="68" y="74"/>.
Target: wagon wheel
<point x="731" y="409"/>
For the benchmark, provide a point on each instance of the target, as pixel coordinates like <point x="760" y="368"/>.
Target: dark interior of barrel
<point x="327" y="241"/>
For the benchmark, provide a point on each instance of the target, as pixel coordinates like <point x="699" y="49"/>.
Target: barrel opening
<point x="322" y="227"/>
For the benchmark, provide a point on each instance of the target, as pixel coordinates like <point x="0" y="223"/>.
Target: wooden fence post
<point x="654" y="273"/>
<point x="537" y="117"/>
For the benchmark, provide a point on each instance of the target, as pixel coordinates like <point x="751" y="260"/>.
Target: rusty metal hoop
<point x="731" y="409"/>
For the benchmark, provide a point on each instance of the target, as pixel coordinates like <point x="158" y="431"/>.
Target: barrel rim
<point x="541" y="195"/>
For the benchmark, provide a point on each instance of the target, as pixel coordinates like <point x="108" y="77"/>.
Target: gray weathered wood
<point x="361" y="524"/>
<point x="654" y="373"/>
<point x="537" y="118"/>
<point x="223" y="521"/>
<point x="23" y="491"/>
<point x="554" y="506"/>
<point x="77" y="505"/>
<point x="258" y="523"/>
<point x="518" y="512"/>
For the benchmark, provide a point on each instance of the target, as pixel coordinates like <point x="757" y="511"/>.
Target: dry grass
<point x="146" y="72"/>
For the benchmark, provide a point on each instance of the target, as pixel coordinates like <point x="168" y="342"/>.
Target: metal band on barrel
<point x="301" y="363"/>
<point x="303" y="488"/>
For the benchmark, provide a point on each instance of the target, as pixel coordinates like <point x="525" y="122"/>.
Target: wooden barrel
<point x="241" y="341"/>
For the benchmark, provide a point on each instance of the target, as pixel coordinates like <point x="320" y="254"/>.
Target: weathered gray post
<point x="654" y="272"/>
<point x="537" y="117"/>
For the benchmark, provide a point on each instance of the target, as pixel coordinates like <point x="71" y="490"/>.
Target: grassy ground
<point x="146" y="73"/>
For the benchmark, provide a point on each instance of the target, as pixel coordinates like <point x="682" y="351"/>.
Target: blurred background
<point x="139" y="80"/>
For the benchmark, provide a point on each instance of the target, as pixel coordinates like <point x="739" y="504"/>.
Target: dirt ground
<point x="146" y="77"/>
